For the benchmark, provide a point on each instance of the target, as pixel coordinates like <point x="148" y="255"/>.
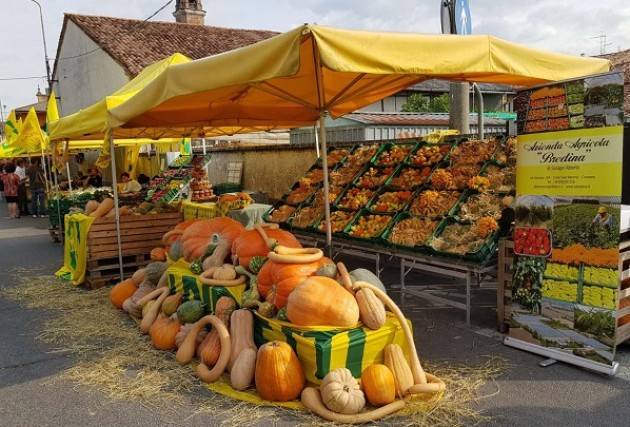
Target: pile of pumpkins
<point x="284" y="281"/>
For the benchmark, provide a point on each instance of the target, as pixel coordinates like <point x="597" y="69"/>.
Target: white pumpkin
<point x="341" y="392"/>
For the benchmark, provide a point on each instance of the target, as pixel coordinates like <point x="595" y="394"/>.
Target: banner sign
<point x="566" y="277"/>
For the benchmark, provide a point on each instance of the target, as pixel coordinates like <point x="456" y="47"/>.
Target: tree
<point x="424" y="104"/>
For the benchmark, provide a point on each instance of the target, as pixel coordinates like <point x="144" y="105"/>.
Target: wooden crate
<point x="504" y="286"/>
<point x="138" y="235"/>
<point x="623" y="299"/>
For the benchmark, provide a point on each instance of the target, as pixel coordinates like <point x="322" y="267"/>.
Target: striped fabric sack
<point x="321" y="349"/>
<point x="180" y="279"/>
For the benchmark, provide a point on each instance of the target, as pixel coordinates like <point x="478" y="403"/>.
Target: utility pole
<point x="455" y="18"/>
<point x="603" y="44"/>
<point x="41" y="21"/>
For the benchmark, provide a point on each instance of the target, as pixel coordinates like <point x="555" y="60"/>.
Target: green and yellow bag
<point x="181" y="279"/>
<point x="322" y="349"/>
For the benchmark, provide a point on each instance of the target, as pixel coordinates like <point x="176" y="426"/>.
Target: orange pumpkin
<point x="320" y="300"/>
<point x="163" y="332"/>
<point x="158" y="254"/>
<point x="378" y="384"/>
<point x="250" y="244"/>
<point x="279" y="375"/>
<point x="276" y="280"/>
<point x="173" y="235"/>
<point x="199" y="235"/>
<point x="121" y="292"/>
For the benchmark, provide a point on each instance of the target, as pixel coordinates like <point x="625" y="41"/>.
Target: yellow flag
<point x="11" y="128"/>
<point x="30" y="138"/>
<point x="52" y="112"/>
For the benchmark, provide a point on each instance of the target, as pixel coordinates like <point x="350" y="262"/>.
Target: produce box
<point x="181" y="279"/>
<point x="366" y="218"/>
<point x="419" y="246"/>
<point x="394" y="154"/>
<point x="322" y="349"/>
<point x="480" y="255"/>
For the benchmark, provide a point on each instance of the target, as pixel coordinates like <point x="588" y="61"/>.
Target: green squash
<point x="196" y="266"/>
<point x="327" y="270"/>
<point x="176" y="251"/>
<point x="153" y="271"/>
<point x="256" y="263"/>
<point x="361" y="274"/>
<point x="190" y="311"/>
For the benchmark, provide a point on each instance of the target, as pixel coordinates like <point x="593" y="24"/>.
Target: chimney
<point x="189" y="12"/>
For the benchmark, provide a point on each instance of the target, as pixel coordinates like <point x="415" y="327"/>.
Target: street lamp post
<point x="41" y="21"/>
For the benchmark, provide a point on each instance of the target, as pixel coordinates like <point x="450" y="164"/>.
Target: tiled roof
<point x="134" y="44"/>
<point x="412" y="119"/>
<point x="621" y="62"/>
<point x="40" y="107"/>
<point x="436" y="85"/>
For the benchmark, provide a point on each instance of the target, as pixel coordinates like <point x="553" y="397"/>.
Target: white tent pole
<point x="322" y="139"/>
<point x="316" y="140"/>
<point x="116" y="210"/>
<point x="69" y="177"/>
<point x="45" y="169"/>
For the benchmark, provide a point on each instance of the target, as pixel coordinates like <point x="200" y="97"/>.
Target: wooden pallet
<point x="138" y="235"/>
<point x="504" y="286"/>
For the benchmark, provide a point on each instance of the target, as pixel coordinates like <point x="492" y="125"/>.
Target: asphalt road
<point x="31" y="394"/>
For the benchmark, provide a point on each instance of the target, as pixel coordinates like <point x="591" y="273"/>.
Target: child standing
<point x="11" y="184"/>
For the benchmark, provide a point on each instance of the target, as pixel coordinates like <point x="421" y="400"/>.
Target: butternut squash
<point x="419" y="377"/>
<point x="183" y="333"/>
<point x="312" y="399"/>
<point x="287" y="255"/>
<point x="149" y="318"/>
<point x="105" y="206"/>
<point x="371" y="309"/>
<point x="210" y="348"/>
<point x="211" y="375"/>
<point x="243" y="370"/>
<point x="186" y="350"/>
<point x="242" y="333"/>
<point x="433" y="385"/>
<point x="396" y="362"/>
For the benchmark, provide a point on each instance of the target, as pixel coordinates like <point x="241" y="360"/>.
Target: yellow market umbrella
<point x="297" y="78"/>
<point x="92" y="122"/>
<point x="290" y="79"/>
<point x="31" y="138"/>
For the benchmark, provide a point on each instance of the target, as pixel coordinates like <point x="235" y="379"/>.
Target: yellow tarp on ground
<point x="322" y="349"/>
<point x="222" y="386"/>
<point x="77" y="227"/>
<point x="276" y="81"/>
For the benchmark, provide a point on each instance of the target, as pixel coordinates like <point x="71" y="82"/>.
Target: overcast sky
<point x="559" y="25"/>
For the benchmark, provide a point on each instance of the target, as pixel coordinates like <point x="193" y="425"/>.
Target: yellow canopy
<point x="290" y="79"/>
<point x="91" y="122"/>
<point x="31" y="138"/>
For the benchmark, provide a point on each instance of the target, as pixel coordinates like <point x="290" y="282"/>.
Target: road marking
<point x="12" y="233"/>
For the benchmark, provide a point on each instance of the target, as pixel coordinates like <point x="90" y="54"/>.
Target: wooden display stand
<point x="504" y="285"/>
<point x="623" y="302"/>
<point x="138" y="235"/>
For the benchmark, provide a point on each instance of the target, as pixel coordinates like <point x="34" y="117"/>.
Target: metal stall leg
<point x="468" y="302"/>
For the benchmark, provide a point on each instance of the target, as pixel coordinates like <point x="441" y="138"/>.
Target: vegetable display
<point x="301" y="289"/>
<point x="412" y="231"/>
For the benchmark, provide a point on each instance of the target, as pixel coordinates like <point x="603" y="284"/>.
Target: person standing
<point x="94" y="178"/>
<point x="22" y="198"/>
<point x="37" y="184"/>
<point x="11" y="184"/>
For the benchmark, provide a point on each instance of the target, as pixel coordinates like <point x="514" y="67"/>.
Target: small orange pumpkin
<point x="158" y="254"/>
<point x="378" y="384"/>
<point x="163" y="332"/>
<point x="279" y="374"/>
<point x="121" y="292"/>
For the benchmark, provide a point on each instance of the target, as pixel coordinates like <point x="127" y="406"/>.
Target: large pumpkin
<point x="121" y="292"/>
<point x="199" y="235"/>
<point x="320" y="300"/>
<point x="163" y="332"/>
<point x="250" y="244"/>
<point x="173" y="235"/>
<point x="279" y="374"/>
<point x="276" y="280"/>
